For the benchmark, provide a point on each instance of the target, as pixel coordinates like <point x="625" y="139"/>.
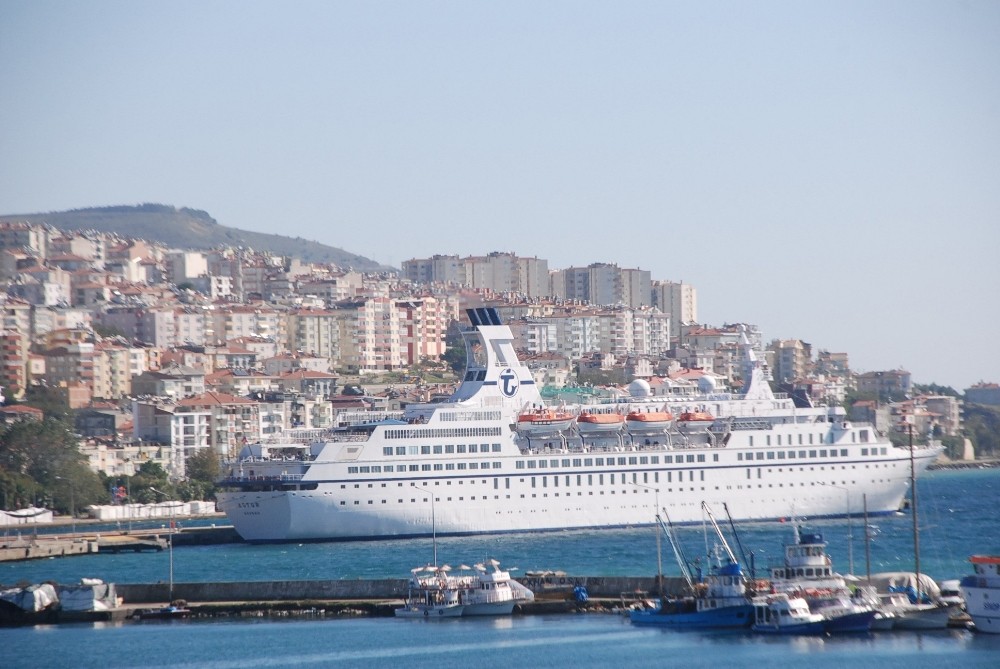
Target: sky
<point x="829" y="171"/>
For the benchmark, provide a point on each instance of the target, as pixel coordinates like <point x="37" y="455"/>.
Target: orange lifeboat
<point x="647" y="421"/>
<point x="544" y="421"/>
<point x="599" y="422"/>
<point x="696" y="416"/>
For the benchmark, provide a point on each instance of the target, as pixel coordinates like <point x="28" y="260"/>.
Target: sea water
<point x="957" y="512"/>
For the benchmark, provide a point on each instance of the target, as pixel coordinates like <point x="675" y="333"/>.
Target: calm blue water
<point x="578" y="641"/>
<point x="958" y="518"/>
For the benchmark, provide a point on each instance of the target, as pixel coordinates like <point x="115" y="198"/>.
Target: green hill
<point x="192" y="229"/>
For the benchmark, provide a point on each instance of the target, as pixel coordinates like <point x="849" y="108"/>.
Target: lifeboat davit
<point x="588" y="423"/>
<point x="544" y="421"/>
<point x="648" y="421"/>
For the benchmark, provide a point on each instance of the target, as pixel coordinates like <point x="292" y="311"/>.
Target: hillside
<point x="192" y="229"/>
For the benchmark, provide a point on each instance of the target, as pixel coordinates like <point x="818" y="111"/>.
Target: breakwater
<point x="548" y="587"/>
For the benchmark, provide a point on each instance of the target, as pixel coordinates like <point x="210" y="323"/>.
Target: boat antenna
<point x="739" y="544"/>
<point x="913" y="505"/>
<point x="718" y="532"/>
<point x="868" y="537"/>
<point x="668" y="529"/>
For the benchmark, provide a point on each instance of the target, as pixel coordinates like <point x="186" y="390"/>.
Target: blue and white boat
<point x="982" y="593"/>
<point x="781" y="614"/>
<point x="721" y="599"/>
<point x="807" y="572"/>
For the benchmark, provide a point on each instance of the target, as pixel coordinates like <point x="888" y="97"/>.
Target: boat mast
<point x="718" y="532"/>
<point x="913" y="504"/>
<point x="668" y="529"/>
<point x="868" y="551"/>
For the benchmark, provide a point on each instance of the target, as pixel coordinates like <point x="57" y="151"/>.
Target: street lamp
<point x="659" y="555"/>
<point x="850" y="526"/>
<point x="170" y="545"/>
<point x="433" y="524"/>
<point x="72" y="501"/>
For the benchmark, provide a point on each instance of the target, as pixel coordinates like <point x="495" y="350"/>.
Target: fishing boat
<point x="719" y="601"/>
<point x="589" y="423"/>
<point x="490" y="464"/>
<point x="640" y="421"/>
<point x="430" y="596"/>
<point x="488" y="591"/>
<point x="807" y="572"/>
<point x="722" y="599"/>
<point x="481" y="590"/>
<point x="981" y="592"/>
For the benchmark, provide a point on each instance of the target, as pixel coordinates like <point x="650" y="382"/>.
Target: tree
<point x="50" y="400"/>
<point x="150" y="478"/>
<point x="203" y="471"/>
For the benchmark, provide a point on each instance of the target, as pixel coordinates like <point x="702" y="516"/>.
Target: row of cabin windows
<point x="781" y="455"/>
<point x="801" y="572"/>
<point x="442" y="432"/>
<point x="827" y="438"/>
<point x="581" y="480"/>
<point x="436" y="467"/>
<point x="602" y="462"/>
<point x="439" y="449"/>
<point x="812" y="453"/>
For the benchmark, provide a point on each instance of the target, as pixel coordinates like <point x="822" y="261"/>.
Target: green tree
<point x="150" y="478"/>
<point x="49" y="400"/>
<point x="42" y="459"/>
<point x="203" y="470"/>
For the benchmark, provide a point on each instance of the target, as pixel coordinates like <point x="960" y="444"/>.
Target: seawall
<point x="557" y="588"/>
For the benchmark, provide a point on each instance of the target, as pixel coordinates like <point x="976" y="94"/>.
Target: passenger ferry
<point x="469" y="466"/>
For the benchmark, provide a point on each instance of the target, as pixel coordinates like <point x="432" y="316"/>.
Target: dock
<point x="40" y="546"/>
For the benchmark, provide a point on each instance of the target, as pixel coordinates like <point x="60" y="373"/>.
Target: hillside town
<point x="165" y="353"/>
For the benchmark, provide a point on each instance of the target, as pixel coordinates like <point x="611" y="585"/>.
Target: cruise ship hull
<point x="485" y="505"/>
<point x="464" y="466"/>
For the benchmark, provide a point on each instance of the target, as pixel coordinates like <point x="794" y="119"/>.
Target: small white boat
<point x="781" y="614"/>
<point x="982" y="593"/>
<point x="429" y="595"/>
<point x="487" y="592"/>
<point x="434" y="592"/>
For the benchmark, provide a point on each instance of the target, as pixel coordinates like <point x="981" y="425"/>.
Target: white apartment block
<point x="603" y="284"/>
<point x="438" y="268"/>
<point x="680" y="300"/>
<point x="423" y="324"/>
<point x="194" y="326"/>
<point x="496" y="271"/>
<point x="321" y="332"/>
<point x="344" y="286"/>
<point x="633" y="331"/>
<point x="233" y="322"/>
<point x="183" y="266"/>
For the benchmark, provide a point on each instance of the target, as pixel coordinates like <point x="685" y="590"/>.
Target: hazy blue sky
<point x="827" y="170"/>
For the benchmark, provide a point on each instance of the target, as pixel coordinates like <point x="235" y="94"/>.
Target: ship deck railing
<point x="262" y="478"/>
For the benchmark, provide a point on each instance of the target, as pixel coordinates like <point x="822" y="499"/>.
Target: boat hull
<point x="927" y="617"/>
<point x="724" y="617"/>
<point x="509" y="501"/>
<point x="489" y="609"/>
<point x="851" y="623"/>
<point x="430" y="612"/>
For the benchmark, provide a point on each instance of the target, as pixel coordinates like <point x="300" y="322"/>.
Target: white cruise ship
<point x="493" y="458"/>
